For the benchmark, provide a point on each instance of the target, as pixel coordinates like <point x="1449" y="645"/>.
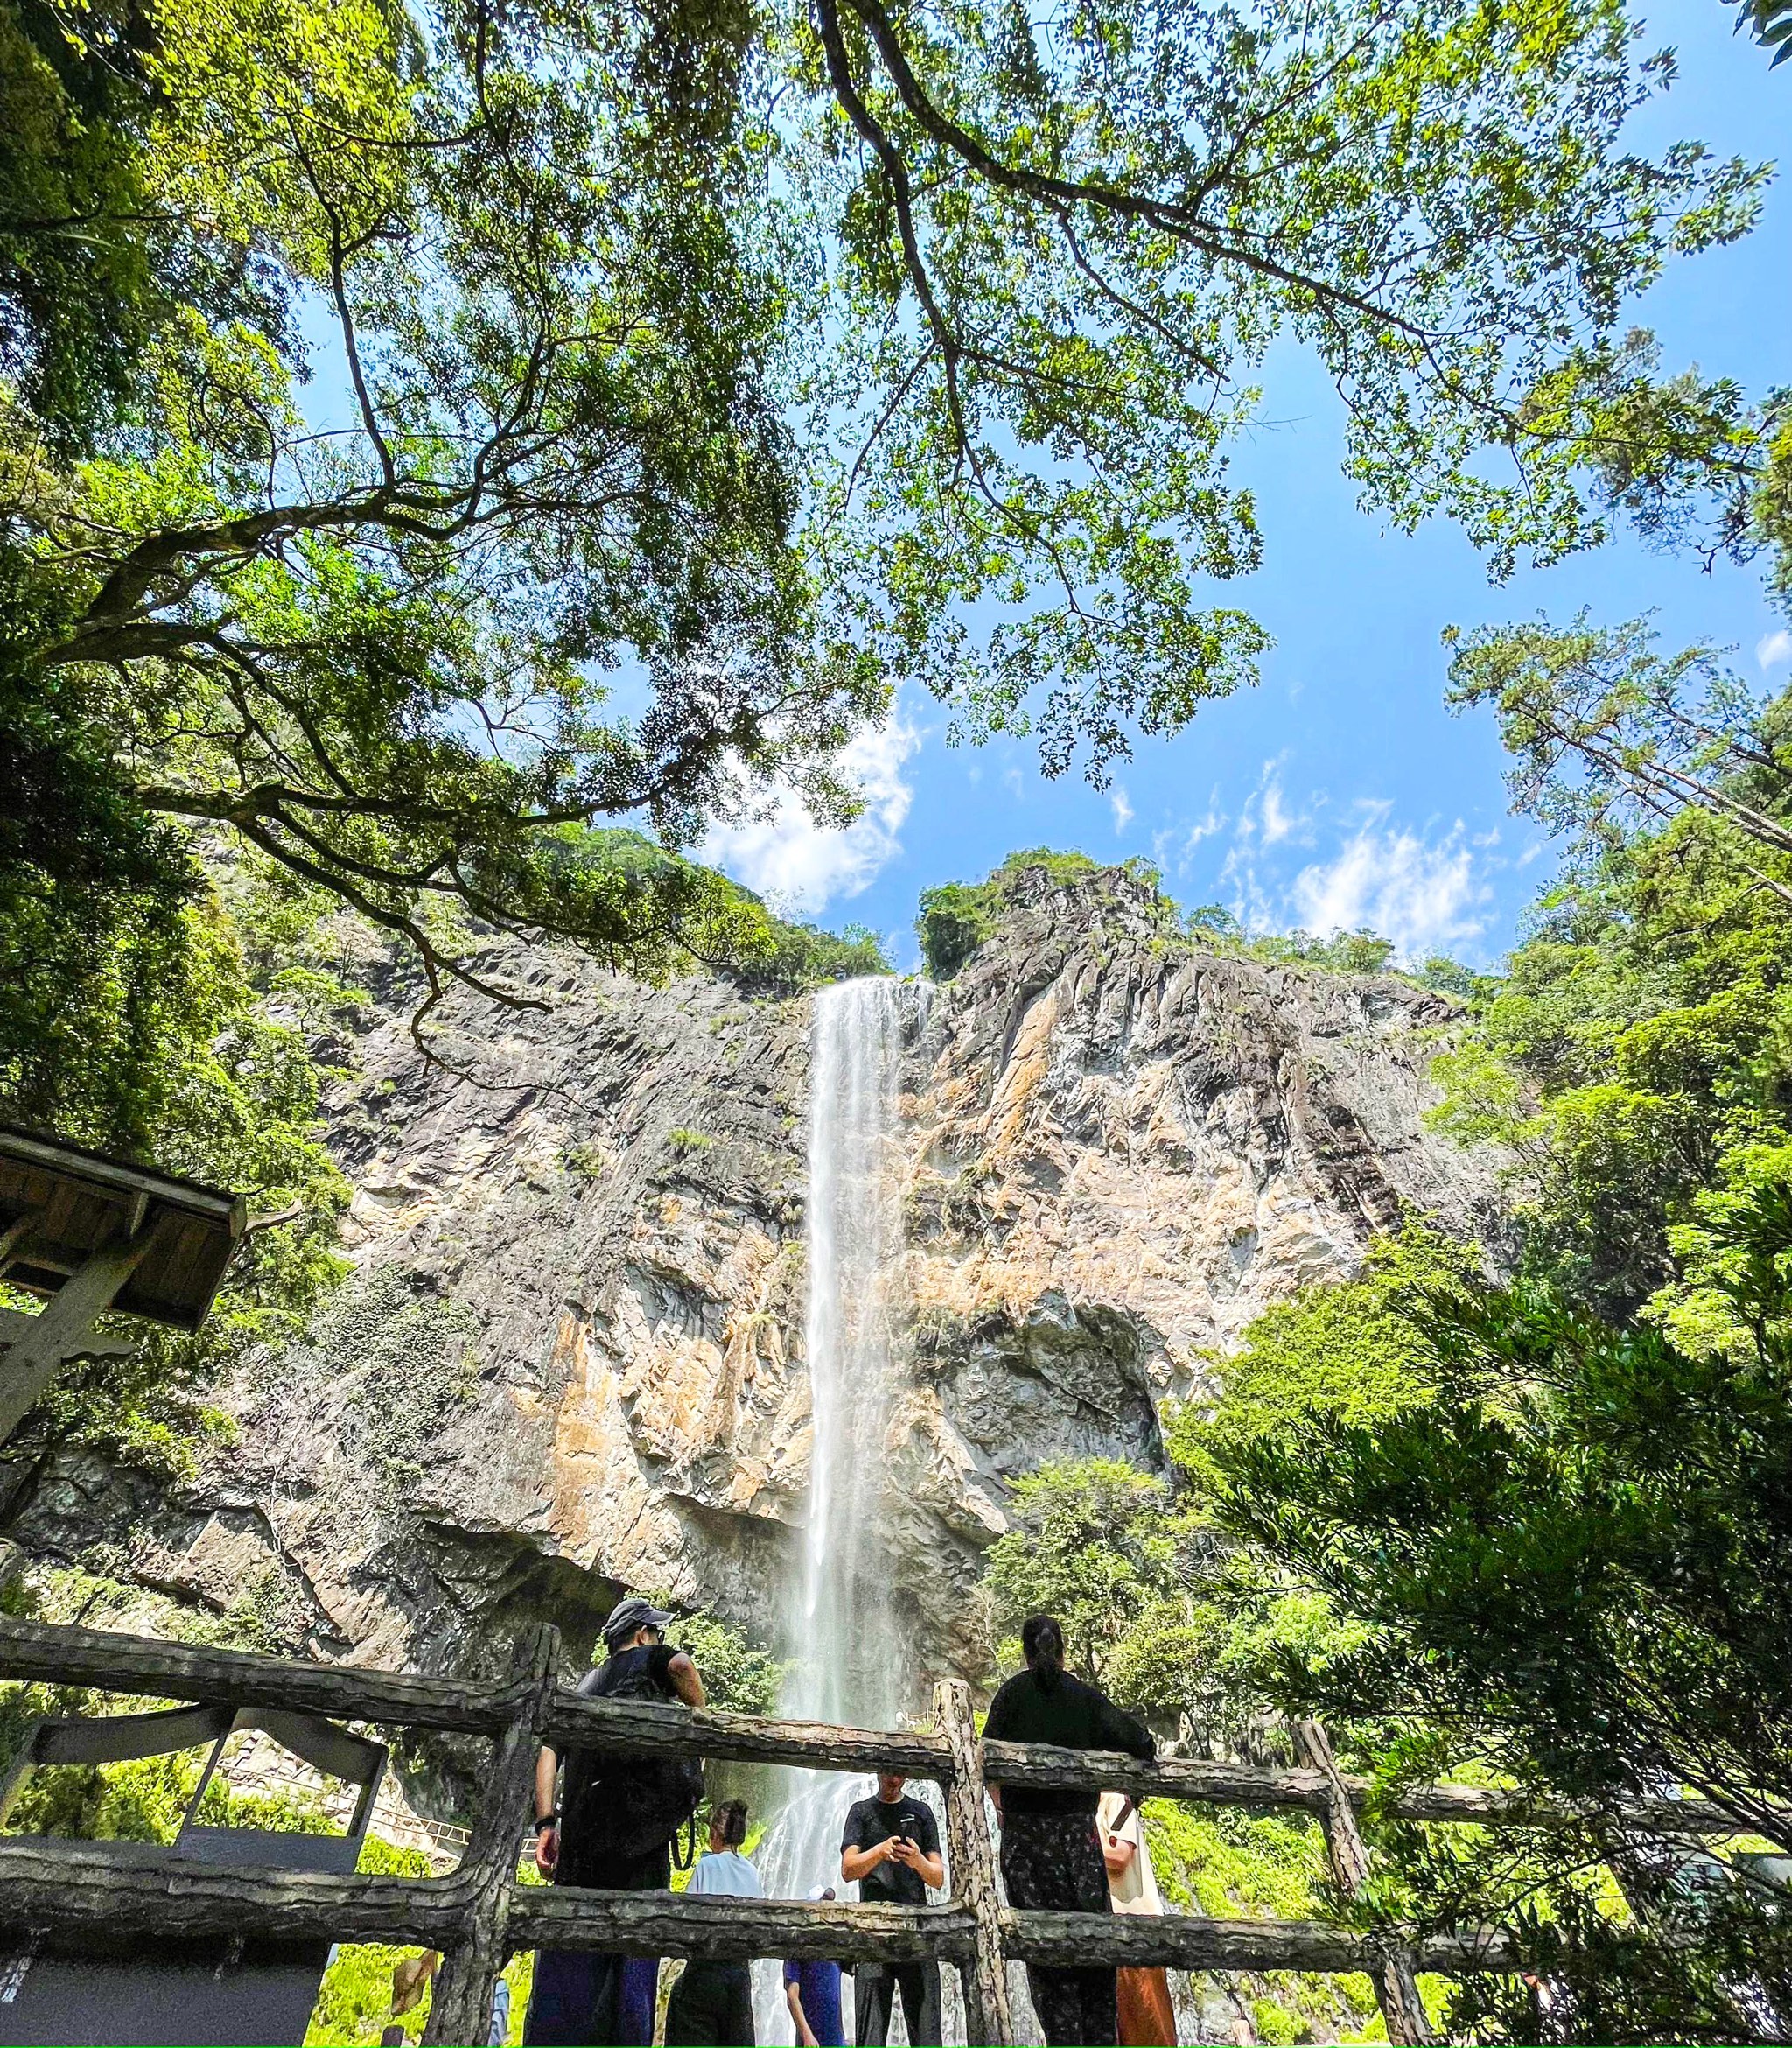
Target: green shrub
<point x="354" y="2001"/>
<point x="803" y="957"/>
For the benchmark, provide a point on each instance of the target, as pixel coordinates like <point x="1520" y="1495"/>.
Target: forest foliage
<point x="427" y="431"/>
<point x="449" y="455"/>
<point x="1524" y="1514"/>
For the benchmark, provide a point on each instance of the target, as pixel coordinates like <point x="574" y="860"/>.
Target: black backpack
<point x="625" y="1806"/>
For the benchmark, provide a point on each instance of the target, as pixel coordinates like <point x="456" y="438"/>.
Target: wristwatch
<point x="547" y="1821"/>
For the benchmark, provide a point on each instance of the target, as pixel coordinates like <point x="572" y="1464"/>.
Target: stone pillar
<point x="985" y="1977"/>
<point x="460" y="2006"/>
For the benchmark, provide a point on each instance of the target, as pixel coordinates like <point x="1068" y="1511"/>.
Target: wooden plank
<point x="1391" y="1967"/>
<point x="15" y="1234"/>
<point x="639" y="1728"/>
<point x="123" y="1663"/>
<point x="120" y="1663"/>
<point x="175" y="1283"/>
<point x="166" y="1278"/>
<point x="665" y="1923"/>
<point x="76" y="1888"/>
<point x="1177" y="1941"/>
<point x="973" y="1872"/>
<point x="96" y="1217"/>
<point x="59" y="1210"/>
<point x="64" y="1330"/>
<point x="461" y="2002"/>
<point x="1047" y="1766"/>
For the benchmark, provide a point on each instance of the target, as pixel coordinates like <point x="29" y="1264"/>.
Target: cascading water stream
<point x="845" y="1640"/>
<point x="841" y="1626"/>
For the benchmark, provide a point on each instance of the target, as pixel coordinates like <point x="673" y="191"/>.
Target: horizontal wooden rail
<point x="639" y="1728"/>
<point x="177" y="1671"/>
<point x="666" y="1923"/>
<point x="1047" y="1767"/>
<point x="79" y="1892"/>
<point x="1178" y="1941"/>
<point x="117" y="1663"/>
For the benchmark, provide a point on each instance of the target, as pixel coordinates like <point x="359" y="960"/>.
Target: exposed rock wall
<point x="570" y="1357"/>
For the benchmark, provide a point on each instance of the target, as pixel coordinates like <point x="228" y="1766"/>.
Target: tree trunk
<point x="1390" y="1967"/>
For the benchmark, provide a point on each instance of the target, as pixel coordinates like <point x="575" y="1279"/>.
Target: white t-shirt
<point x="725" y="1871"/>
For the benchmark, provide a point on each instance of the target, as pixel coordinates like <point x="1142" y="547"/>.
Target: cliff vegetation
<point x="1530" y="1529"/>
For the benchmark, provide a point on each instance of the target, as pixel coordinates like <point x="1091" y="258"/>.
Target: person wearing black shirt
<point x="1051" y="1853"/>
<point x="582" y="1998"/>
<point x="890" y="1848"/>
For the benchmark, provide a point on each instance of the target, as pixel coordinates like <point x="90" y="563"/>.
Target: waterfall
<point x="850" y="1663"/>
<point x="848" y="1653"/>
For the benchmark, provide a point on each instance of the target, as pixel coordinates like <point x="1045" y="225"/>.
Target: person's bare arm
<point x="805" y="2033"/>
<point x="685" y="1681"/>
<point x="547" y="1838"/>
<point x="995" y="1793"/>
<point x="932" y="1869"/>
<point x="1117" y="1853"/>
<point x="860" y="1863"/>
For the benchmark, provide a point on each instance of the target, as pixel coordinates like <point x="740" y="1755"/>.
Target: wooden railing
<point x="480" y="1915"/>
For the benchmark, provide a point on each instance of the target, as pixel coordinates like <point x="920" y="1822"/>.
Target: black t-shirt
<point x="584" y="1766"/>
<point x="1068" y="1713"/>
<point x="654" y="1658"/>
<point x="870" y="1821"/>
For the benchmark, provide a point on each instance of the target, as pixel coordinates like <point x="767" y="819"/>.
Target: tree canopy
<point x="433" y="427"/>
<point x="1517" y="1514"/>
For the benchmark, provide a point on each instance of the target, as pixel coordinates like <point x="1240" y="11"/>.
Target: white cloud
<point x="1250" y="899"/>
<point x="1277" y="822"/>
<point x="1265" y="817"/>
<point x="1014" y="782"/>
<point x="799" y="865"/>
<point x="1773" y="647"/>
<point x="1123" y="808"/>
<point x="1424" y="896"/>
<point x="1173" y="845"/>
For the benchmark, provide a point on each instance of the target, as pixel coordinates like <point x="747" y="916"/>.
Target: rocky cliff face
<point x="569" y="1358"/>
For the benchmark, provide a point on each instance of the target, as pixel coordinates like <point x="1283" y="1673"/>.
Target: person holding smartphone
<point x="890" y="1848"/>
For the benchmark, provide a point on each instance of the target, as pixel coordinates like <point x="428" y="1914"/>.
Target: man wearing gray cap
<point x="612" y="1829"/>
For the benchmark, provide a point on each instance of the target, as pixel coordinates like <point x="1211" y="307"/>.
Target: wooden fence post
<point x="1396" y="1986"/>
<point x="987" y="2023"/>
<point x="460" y="2006"/>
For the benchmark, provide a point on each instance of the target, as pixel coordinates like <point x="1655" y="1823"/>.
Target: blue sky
<point x="1342" y="791"/>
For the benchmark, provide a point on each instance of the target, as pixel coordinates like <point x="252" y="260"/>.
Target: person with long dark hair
<point x="712" y="2004"/>
<point x="1051" y="1853"/>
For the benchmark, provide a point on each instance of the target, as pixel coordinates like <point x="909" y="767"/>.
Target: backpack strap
<point x="685" y="1861"/>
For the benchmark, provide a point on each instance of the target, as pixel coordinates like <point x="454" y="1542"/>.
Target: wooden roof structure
<point x="60" y="1205"/>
